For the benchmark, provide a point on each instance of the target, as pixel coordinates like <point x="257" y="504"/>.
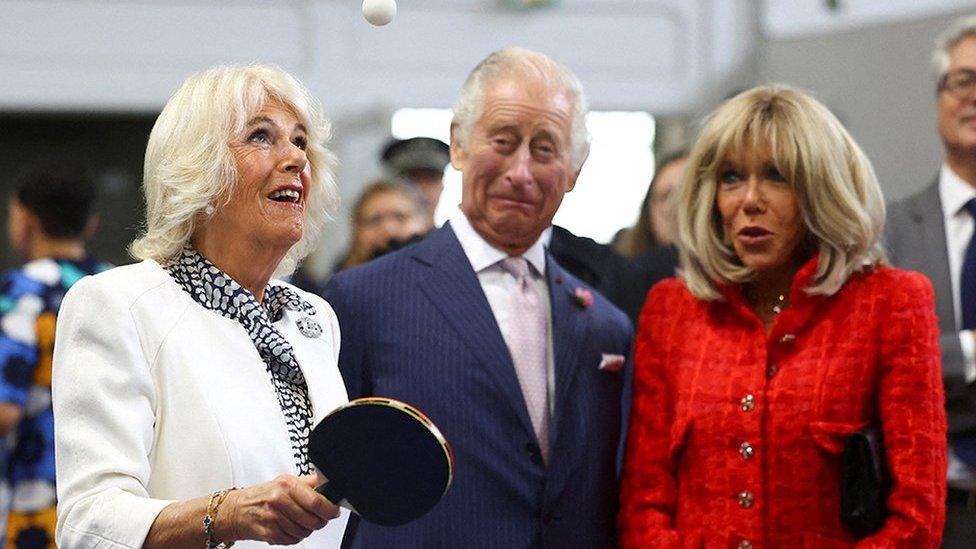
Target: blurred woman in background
<point x="785" y="334"/>
<point x="185" y="386"/>
<point x="386" y="216"/>
<point x="655" y="223"/>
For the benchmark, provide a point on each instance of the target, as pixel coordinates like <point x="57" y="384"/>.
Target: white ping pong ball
<point x="379" y="12"/>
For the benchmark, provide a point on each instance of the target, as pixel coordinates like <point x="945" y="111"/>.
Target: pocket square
<point x="612" y="363"/>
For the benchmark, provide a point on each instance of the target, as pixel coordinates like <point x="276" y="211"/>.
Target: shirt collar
<point x="954" y="193"/>
<point x="482" y="255"/>
<point x="547" y="237"/>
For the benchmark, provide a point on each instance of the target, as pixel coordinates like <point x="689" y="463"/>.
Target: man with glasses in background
<point x="933" y="232"/>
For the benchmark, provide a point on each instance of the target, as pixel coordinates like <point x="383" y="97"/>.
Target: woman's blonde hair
<point x="189" y="165"/>
<point x="838" y="194"/>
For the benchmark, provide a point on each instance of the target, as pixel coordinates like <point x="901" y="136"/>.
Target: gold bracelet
<point x="210" y="519"/>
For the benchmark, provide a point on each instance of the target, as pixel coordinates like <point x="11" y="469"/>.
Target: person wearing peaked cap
<point x="421" y="161"/>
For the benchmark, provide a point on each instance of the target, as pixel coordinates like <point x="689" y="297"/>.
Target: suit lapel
<point x="569" y="321"/>
<point x="453" y="287"/>
<point x="929" y="219"/>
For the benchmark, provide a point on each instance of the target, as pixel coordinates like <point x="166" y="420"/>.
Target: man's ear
<point x="572" y="178"/>
<point x="22" y="225"/>
<point x="458" y="155"/>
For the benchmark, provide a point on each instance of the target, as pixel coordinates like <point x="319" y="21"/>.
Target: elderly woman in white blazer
<point x="185" y="386"/>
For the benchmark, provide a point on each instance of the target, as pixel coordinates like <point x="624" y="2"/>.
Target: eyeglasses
<point x="960" y="83"/>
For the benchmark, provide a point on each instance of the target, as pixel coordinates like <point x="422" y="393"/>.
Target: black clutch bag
<point x="864" y="483"/>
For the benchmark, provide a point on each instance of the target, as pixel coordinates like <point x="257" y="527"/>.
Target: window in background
<point x="610" y="188"/>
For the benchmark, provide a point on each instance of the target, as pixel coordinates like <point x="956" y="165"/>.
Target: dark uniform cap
<point x="401" y="156"/>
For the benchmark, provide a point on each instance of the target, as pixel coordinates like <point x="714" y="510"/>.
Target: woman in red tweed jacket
<point x="786" y="333"/>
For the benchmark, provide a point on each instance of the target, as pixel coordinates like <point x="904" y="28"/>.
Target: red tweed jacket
<point x="736" y="434"/>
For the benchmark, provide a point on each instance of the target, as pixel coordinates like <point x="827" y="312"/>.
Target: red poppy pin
<point x="583" y="297"/>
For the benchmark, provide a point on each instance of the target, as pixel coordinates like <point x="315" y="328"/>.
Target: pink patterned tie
<point x="528" y="341"/>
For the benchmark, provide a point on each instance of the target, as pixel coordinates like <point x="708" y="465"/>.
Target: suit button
<point x="747" y="450"/>
<point x="535" y="455"/>
<point x="745" y="544"/>
<point x="747" y="403"/>
<point x="745" y="499"/>
<point x="787" y="338"/>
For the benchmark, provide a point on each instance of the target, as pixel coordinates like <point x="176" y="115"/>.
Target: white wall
<point x="676" y="58"/>
<point x="130" y="54"/>
<point x="788" y="19"/>
<point x="665" y="56"/>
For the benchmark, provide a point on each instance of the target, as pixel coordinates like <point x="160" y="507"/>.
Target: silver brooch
<point x="308" y="327"/>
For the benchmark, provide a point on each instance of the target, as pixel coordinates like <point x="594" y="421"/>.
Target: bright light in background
<point x="615" y="177"/>
<point x="434" y="123"/>
<point x="610" y="188"/>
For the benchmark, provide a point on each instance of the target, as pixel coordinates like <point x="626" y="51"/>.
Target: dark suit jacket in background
<point x="655" y="265"/>
<point x="610" y="273"/>
<point x="916" y="240"/>
<point x="417" y="326"/>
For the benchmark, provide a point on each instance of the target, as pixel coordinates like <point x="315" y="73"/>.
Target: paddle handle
<point x="331" y="491"/>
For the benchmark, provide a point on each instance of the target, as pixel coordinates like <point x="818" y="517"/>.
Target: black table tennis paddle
<point x="383" y="459"/>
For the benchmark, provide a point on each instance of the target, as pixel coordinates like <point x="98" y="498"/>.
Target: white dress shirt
<point x="499" y="285"/>
<point x="954" y="194"/>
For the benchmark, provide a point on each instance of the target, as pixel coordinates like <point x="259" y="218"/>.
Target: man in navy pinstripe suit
<point x="519" y="363"/>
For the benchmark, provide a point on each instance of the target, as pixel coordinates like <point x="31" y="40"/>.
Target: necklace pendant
<point x="780" y="304"/>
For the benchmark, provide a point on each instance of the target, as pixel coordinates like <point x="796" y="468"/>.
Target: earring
<point x="209" y="210"/>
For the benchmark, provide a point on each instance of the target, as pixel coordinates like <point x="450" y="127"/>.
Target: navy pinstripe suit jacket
<point x="416" y="326"/>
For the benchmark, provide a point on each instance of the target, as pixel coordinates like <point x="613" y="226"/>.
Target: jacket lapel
<point x="569" y="321"/>
<point x="928" y="218"/>
<point x="453" y="287"/>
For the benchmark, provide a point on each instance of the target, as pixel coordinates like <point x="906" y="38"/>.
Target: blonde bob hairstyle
<point x="189" y="165"/>
<point x="837" y="192"/>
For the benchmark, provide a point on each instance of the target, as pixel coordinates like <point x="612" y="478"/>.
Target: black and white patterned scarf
<point x="216" y="291"/>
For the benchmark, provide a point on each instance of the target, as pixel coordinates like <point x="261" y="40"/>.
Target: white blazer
<point x="157" y="399"/>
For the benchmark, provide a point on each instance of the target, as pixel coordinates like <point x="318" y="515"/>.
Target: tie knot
<point x="517" y="266"/>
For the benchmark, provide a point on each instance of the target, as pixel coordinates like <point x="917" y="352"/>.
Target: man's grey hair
<point x="959" y="30"/>
<point x="515" y="62"/>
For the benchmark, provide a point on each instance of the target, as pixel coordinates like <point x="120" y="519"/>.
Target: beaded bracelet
<point x="210" y="520"/>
